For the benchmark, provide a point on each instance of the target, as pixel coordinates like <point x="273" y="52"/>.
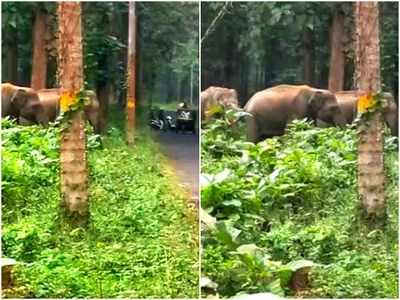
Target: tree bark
<point x="123" y="19"/>
<point x="371" y="177"/>
<point x="141" y="82"/>
<point x="72" y="150"/>
<point x="244" y="87"/>
<point x="308" y="57"/>
<point x="170" y="89"/>
<point x="113" y="60"/>
<point x="178" y="88"/>
<point x="39" y="61"/>
<point x="131" y="93"/>
<point x="11" y="62"/>
<point x="336" y="64"/>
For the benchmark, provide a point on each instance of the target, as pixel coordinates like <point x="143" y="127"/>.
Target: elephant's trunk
<point x="251" y="128"/>
<point x="339" y="120"/>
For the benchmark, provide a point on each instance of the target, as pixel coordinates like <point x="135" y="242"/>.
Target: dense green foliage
<point x="294" y="198"/>
<point x="142" y="240"/>
<point x="256" y="45"/>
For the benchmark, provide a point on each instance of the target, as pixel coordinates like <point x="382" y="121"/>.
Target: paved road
<point x="183" y="151"/>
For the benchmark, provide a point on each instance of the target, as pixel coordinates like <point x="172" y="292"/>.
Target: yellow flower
<point x="365" y="102"/>
<point x="67" y="99"/>
<point x="131" y="103"/>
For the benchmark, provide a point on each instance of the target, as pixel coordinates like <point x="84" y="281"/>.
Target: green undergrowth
<point x="171" y="105"/>
<point x="166" y="106"/>
<point x="292" y="199"/>
<point x="142" y="239"/>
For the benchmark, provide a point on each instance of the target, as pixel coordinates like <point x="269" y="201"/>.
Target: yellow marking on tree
<point x="364" y="102"/>
<point x="131" y="103"/>
<point x="67" y="99"/>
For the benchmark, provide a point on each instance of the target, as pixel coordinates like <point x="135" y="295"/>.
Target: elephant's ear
<point x="234" y="93"/>
<point x="235" y="96"/>
<point x="19" y="98"/>
<point x="316" y="100"/>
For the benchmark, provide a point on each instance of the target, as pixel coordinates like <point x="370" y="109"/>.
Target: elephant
<point x="213" y="96"/>
<point x="348" y="104"/>
<point x="50" y="99"/>
<point x="22" y="104"/>
<point x="270" y="110"/>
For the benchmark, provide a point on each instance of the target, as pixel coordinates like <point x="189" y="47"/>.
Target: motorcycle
<point x="157" y="122"/>
<point x="162" y="122"/>
<point x="170" y="123"/>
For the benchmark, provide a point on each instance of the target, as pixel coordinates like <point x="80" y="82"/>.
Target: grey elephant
<point x="272" y="109"/>
<point x="22" y="104"/>
<point x="50" y="99"/>
<point x="348" y="104"/>
<point x="215" y="96"/>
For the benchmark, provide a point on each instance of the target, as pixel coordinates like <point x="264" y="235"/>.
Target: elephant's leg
<point x="93" y="118"/>
<point x="25" y="122"/>
<point x="322" y="124"/>
<point x="391" y="120"/>
<point x="252" y="129"/>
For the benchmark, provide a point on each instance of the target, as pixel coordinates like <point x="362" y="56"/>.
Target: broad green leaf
<point x="275" y="288"/>
<point x="259" y="296"/>
<point x="300" y="264"/>
<point x="250" y="249"/>
<point x="227" y="234"/>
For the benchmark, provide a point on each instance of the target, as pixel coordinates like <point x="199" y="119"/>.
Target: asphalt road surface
<point x="182" y="149"/>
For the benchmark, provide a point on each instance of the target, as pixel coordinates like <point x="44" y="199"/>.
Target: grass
<point x="172" y="106"/>
<point x="142" y="241"/>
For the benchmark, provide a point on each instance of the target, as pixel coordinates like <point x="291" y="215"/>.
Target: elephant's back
<point x="9" y="87"/>
<point x="272" y="98"/>
<point x="49" y="99"/>
<point x="346" y="96"/>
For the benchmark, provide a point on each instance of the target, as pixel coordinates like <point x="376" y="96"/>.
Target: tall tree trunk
<point x="371" y="177"/>
<point x="141" y="82"/>
<point x="244" y="93"/>
<point x="103" y="82"/>
<point x="11" y="62"/>
<point x="308" y="57"/>
<point x="123" y="34"/>
<point x="113" y="60"/>
<point x="178" y="88"/>
<point x="230" y="63"/>
<point x="170" y="90"/>
<point x="131" y="93"/>
<point x="336" y="64"/>
<point x="184" y="86"/>
<point x="73" y="142"/>
<point x="39" y="61"/>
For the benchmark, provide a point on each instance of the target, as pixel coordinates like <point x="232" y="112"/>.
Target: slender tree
<point x="371" y="177"/>
<point x="74" y="199"/>
<point x="131" y="77"/>
<point x="39" y="61"/>
<point x="10" y="63"/>
<point x="308" y="56"/>
<point x="12" y="59"/>
<point x="113" y="59"/>
<point x="336" y="64"/>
